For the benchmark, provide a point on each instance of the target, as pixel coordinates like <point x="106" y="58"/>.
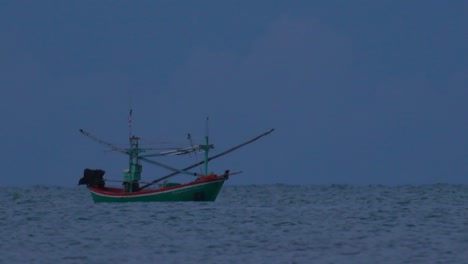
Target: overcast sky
<point x="359" y="92"/>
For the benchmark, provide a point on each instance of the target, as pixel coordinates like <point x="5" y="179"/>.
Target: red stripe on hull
<point x="119" y="192"/>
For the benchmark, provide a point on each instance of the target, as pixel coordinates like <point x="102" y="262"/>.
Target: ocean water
<point x="247" y="224"/>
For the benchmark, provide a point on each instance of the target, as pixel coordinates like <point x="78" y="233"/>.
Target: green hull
<point x="194" y="191"/>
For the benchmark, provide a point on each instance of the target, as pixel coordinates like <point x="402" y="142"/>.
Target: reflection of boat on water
<point x="204" y="188"/>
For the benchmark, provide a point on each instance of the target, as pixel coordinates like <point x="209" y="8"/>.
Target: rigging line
<point x="211" y="158"/>
<point x="189" y="137"/>
<point x="167" y="166"/>
<point x="112" y="146"/>
<point x="124" y="151"/>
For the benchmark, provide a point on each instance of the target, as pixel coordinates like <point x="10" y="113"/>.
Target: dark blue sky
<point x="359" y="92"/>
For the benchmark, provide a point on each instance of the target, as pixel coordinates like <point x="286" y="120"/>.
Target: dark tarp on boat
<point x="92" y="178"/>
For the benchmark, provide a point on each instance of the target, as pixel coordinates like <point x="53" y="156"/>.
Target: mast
<point x="133" y="175"/>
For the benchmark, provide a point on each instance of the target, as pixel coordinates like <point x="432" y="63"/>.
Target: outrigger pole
<point x="207" y="159"/>
<point x="135" y="151"/>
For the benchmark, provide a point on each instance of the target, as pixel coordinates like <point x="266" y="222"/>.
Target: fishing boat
<point x="204" y="187"/>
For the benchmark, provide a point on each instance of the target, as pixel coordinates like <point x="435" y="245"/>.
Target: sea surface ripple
<point x="247" y="224"/>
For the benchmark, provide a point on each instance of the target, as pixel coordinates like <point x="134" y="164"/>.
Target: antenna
<point x="207" y="129"/>
<point x="130" y="123"/>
